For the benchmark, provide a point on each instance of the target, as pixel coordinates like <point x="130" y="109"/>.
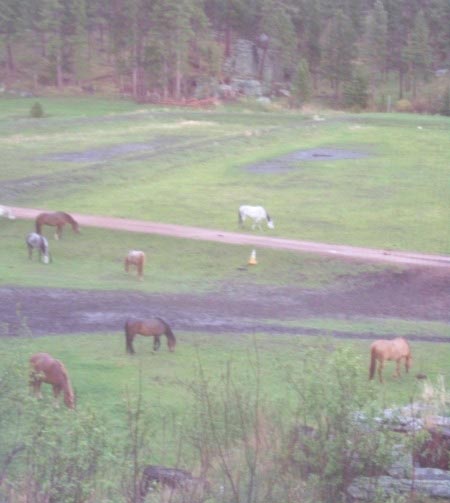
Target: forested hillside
<point x="171" y="48"/>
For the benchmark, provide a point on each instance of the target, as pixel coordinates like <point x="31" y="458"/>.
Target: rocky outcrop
<point x="424" y="471"/>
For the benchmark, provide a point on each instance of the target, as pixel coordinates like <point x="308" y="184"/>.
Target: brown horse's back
<point x="57" y="218"/>
<point x="391" y="349"/>
<point x="153" y="326"/>
<point x="45" y="368"/>
<point x="51" y="371"/>
<point x="395" y="350"/>
<point x="149" y="327"/>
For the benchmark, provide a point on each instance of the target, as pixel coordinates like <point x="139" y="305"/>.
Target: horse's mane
<point x="169" y="332"/>
<point x="69" y="217"/>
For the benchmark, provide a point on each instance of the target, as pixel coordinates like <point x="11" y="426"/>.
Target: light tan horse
<point x="46" y="369"/>
<point x="135" y="258"/>
<point x="395" y="350"/>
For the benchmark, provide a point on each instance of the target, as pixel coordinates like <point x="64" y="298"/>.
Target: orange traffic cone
<point x="252" y="260"/>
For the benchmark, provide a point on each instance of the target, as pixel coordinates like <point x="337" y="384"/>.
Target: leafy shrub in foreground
<point x="310" y="451"/>
<point x="37" y="111"/>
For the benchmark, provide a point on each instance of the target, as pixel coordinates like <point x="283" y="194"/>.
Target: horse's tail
<point x="240" y="216"/>
<point x="69" y="395"/>
<point x="126" y="264"/>
<point x="38" y="225"/>
<point x="268" y="217"/>
<point x="373" y="362"/>
<point x="129" y="335"/>
<point x="171" y="340"/>
<point x="141" y="265"/>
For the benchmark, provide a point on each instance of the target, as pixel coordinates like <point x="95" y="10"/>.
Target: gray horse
<point x="39" y="242"/>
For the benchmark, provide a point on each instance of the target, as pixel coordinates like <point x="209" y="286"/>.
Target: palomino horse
<point x="6" y="212"/>
<point x="257" y="214"/>
<point x="154" y="327"/>
<point x="57" y="219"/>
<point x="396" y="349"/>
<point x="135" y="258"/>
<point x="45" y="368"/>
<point x="39" y="242"/>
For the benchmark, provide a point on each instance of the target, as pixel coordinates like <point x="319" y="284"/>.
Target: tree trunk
<point x="165" y="91"/>
<point x="10" y="64"/>
<point x="227" y="41"/>
<point x="177" y="90"/>
<point x="59" y="72"/>
<point x="400" y="83"/>
<point x="262" y="65"/>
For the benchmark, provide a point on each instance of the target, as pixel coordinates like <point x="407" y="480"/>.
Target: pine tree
<point x="11" y="27"/>
<point x="338" y="51"/>
<point x="417" y="52"/>
<point x="376" y="42"/>
<point x="356" y="91"/>
<point x="301" y="89"/>
<point x="276" y="24"/>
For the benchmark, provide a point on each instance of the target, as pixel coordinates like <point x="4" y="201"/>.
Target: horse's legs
<point x="58" y="231"/>
<point x="129" y="339"/>
<point x="397" y="368"/>
<point x="380" y="370"/>
<point x="36" y="385"/>
<point x="56" y="392"/>
<point x="156" y="342"/>
<point x="407" y="363"/>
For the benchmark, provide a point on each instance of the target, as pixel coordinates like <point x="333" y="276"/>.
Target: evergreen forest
<point x="171" y="48"/>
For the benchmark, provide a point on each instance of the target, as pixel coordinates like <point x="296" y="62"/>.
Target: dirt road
<point x="417" y="293"/>
<point x="180" y="231"/>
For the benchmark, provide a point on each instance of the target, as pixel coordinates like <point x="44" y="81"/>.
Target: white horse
<point x="257" y="214"/>
<point x="6" y="212"/>
<point x="35" y="240"/>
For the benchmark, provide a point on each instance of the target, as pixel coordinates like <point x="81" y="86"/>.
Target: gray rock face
<point x="404" y="475"/>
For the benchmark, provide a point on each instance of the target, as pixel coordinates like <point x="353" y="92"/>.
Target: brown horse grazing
<point x="154" y="327"/>
<point x="45" y="368"/>
<point x="396" y="349"/>
<point x="135" y="258"/>
<point x="57" y="219"/>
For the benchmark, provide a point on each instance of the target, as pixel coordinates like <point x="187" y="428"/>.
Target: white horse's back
<point x="256" y="213"/>
<point x="35" y="240"/>
<point x="6" y="212"/>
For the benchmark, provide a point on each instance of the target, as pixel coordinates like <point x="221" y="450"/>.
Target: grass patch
<point x="189" y="167"/>
<point x="383" y="327"/>
<point x="94" y="260"/>
<point x="101" y="371"/>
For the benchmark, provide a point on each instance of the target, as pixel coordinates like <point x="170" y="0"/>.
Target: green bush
<point x="445" y="107"/>
<point x="356" y="91"/>
<point x="37" y="111"/>
<point x="309" y="448"/>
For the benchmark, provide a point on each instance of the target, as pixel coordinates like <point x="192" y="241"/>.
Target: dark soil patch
<point x="291" y="161"/>
<point x="414" y="294"/>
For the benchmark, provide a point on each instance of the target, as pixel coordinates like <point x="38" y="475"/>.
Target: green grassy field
<point x="94" y="260"/>
<point x="191" y="167"/>
<point x="195" y="171"/>
<point x="102" y="372"/>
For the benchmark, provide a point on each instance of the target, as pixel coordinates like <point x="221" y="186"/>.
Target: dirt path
<point x="418" y="293"/>
<point x="180" y="231"/>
